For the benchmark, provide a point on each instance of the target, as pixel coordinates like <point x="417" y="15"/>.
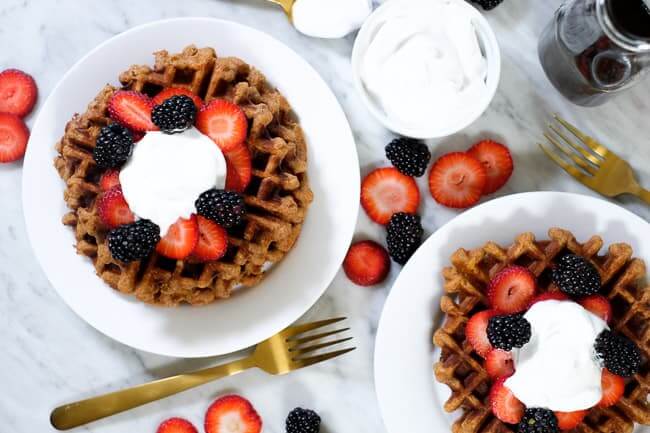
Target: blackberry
<point x="538" y="421"/>
<point x="409" y="156"/>
<point x="113" y="146"/>
<point x="133" y="241"/>
<point x="506" y="332"/>
<point x="303" y="421"/>
<point x="175" y="114"/>
<point x="226" y="208"/>
<point x="619" y="354"/>
<point x="487" y="4"/>
<point x="575" y="276"/>
<point x="403" y="237"/>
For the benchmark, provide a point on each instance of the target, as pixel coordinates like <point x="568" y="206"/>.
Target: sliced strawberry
<point x="367" y="263"/>
<point x="13" y="137"/>
<point x="113" y="209"/>
<point x="497" y="161"/>
<point x="549" y="296"/>
<point x="109" y="179"/>
<point x="176" y="425"/>
<point x="511" y="290"/>
<point x="598" y="305"/>
<point x="499" y="363"/>
<point x="212" y="243"/>
<point x="232" y="414"/>
<point x="570" y="420"/>
<point x="457" y="180"/>
<point x="173" y="91"/>
<point x="476" y="332"/>
<point x="613" y="388"/>
<point x="132" y="109"/>
<point x="239" y="167"/>
<point x="18" y="92"/>
<point x="386" y="191"/>
<point x="224" y="122"/>
<point x="505" y="405"/>
<point x="180" y="240"/>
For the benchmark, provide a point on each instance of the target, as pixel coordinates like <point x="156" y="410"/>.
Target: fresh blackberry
<point x="303" y="421"/>
<point x="487" y="4"/>
<point x="133" y="241"/>
<point x="403" y="237"/>
<point x="575" y="276"/>
<point x="113" y="146"/>
<point x="538" y="421"/>
<point x="175" y="114"/>
<point x="506" y="332"/>
<point x="226" y="208"/>
<point x="618" y="353"/>
<point x="411" y="157"/>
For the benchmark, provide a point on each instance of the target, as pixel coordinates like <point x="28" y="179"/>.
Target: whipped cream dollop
<point x="557" y="369"/>
<point x="424" y="65"/>
<point x="167" y="173"/>
<point x="329" y="18"/>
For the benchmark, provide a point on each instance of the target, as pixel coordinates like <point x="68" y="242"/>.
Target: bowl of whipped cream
<point x="426" y="68"/>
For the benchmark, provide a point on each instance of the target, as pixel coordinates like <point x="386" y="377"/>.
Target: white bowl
<point x="491" y="51"/>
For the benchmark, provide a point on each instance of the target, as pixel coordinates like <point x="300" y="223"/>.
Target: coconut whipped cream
<point x="167" y="173"/>
<point x="424" y="65"/>
<point x="330" y="18"/>
<point x="557" y="369"/>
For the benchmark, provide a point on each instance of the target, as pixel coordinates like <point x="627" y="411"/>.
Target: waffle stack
<point x="277" y="198"/>
<point x="465" y="287"/>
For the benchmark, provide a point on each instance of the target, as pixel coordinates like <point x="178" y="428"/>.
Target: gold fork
<point x="287" y="7"/>
<point x="286" y="351"/>
<point x="590" y="162"/>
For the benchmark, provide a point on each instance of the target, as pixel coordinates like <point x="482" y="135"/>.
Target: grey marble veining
<point x="50" y="356"/>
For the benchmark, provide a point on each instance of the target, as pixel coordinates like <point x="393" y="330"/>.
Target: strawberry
<point x="497" y="161"/>
<point x="570" y="420"/>
<point x="613" y="388"/>
<point x="212" y="241"/>
<point x="113" y="209"/>
<point x="176" y="425"/>
<point x="224" y="122"/>
<point x="476" y="332"/>
<point x="511" y="290"/>
<point x="457" y="180"/>
<point x="13" y="137"/>
<point x="386" y="191"/>
<point x="18" y="92"/>
<point x="180" y="240"/>
<point x="132" y="109"/>
<point x="367" y="263"/>
<point x="232" y="414"/>
<point x="505" y="405"/>
<point x="598" y="305"/>
<point x="549" y="296"/>
<point x="109" y="179"/>
<point x="173" y="91"/>
<point x="239" y="167"/>
<point x="499" y="363"/>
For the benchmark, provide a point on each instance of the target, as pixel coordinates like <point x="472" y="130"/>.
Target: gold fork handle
<point x="644" y="195"/>
<point x="82" y="412"/>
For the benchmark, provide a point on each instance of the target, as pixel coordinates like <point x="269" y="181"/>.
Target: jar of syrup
<point x="594" y="49"/>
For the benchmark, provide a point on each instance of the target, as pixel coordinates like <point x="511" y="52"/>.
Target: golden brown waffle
<point x="465" y="289"/>
<point x="277" y="198"/>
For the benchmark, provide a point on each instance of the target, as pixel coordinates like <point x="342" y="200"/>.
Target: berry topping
<point x="613" y="389"/>
<point x="499" y="363"/>
<point x="505" y="405"/>
<point x="570" y="420"/>
<point x="575" y="276"/>
<point x="619" y="354"/>
<point x="409" y="156"/>
<point x="476" y="332"/>
<point x="173" y="91"/>
<point x="386" y="191"/>
<point x="132" y="109"/>
<point x="512" y="290"/>
<point x="549" y="296"/>
<point x="538" y="421"/>
<point x="175" y="114"/>
<point x="113" y="147"/>
<point x="303" y="421"/>
<point x="109" y="179"/>
<point x="224" y="122"/>
<point x="13" y="137"/>
<point x="598" y="305"/>
<point x="239" y="167"/>
<point x="232" y="414"/>
<point x="226" y="208"/>
<point x="457" y="180"/>
<point x="134" y="241"/>
<point x="176" y="425"/>
<point x="180" y="240"/>
<point x="213" y="241"/>
<point x="403" y="236"/>
<point x="113" y="209"/>
<point x="487" y="4"/>
<point x="507" y="332"/>
<point x="367" y="263"/>
<point x="497" y="161"/>
<point x="18" y="92"/>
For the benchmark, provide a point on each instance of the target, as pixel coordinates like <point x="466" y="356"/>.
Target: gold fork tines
<point x="590" y="162"/>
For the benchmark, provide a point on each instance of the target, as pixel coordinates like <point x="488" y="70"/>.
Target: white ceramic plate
<point x="290" y="289"/>
<point x="410" y="399"/>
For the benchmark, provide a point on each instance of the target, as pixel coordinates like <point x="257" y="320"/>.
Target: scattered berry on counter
<point x="303" y="421"/>
<point x="134" y="241"/>
<point x="575" y="276"/>
<point x="504" y="404"/>
<point x="14" y="136"/>
<point x="226" y="208"/>
<point x="175" y="114"/>
<point x="180" y="239"/>
<point x="239" y="167"/>
<point x="537" y="420"/>
<point x="173" y="91"/>
<point x="224" y="122"/>
<point x="570" y="420"/>
<point x="497" y="161"/>
<point x="109" y="179"/>
<point x="113" y="209"/>
<point x="598" y="305"/>
<point x="499" y="363"/>
<point x="366" y="263"/>
<point x="18" y="92"/>
<point x="487" y="4"/>
<point x="411" y="157"/>
<point x="176" y="425"/>
<point x="512" y="290"/>
<point x="212" y="243"/>
<point x="613" y="389"/>
<point x="132" y="109"/>
<point x="508" y="332"/>
<point x="232" y="414"/>
<point x="113" y="147"/>
<point x="403" y="236"/>
<point x="619" y="354"/>
<point x="457" y="180"/>
<point x="549" y="296"/>
<point x="386" y="191"/>
<point x="476" y="332"/>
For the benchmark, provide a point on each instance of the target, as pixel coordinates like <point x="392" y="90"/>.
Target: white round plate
<point x="290" y="289"/>
<point x="410" y="398"/>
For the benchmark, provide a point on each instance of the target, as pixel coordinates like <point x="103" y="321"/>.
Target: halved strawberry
<point x="180" y="239"/>
<point x="224" y="122"/>
<point x="213" y="241"/>
<point x="176" y="425"/>
<point x="511" y="290"/>
<point x="173" y="91"/>
<point x="386" y="191"/>
<point x="549" y="296"/>
<point x="613" y="388"/>
<point x="232" y="414"/>
<point x="505" y="405"/>
<point x="239" y="167"/>
<point x="598" y="305"/>
<point x="457" y="180"/>
<point x="109" y="179"/>
<point x="13" y="137"/>
<point x="499" y="363"/>
<point x="132" y="109"/>
<point x="476" y="332"/>
<point x="113" y="209"/>
<point x="18" y="92"/>
<point x="497" y="161"/>
<point x="570" y="420"/>
<point x="367" y="263"/>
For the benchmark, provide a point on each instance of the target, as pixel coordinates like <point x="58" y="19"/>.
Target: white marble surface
<point x="50" y="356"/>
